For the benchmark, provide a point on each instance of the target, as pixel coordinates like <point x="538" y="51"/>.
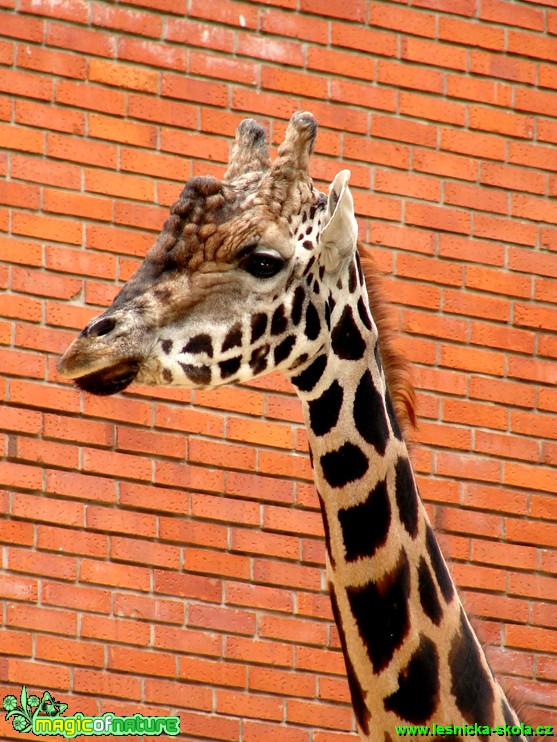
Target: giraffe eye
<point x="262" y="264"/>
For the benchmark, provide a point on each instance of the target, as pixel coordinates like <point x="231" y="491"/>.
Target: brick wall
<point x="162" y="550"/>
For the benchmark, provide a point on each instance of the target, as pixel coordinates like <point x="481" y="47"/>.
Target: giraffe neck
<point x="410" y="654"/>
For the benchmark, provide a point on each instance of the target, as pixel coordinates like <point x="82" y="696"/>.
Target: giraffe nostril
<point x="103" y="326"/>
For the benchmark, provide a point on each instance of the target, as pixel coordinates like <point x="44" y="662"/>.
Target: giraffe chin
<point x="109" y="380"/>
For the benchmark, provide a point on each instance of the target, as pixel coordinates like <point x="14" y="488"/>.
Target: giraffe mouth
<point x="109" y="380"/>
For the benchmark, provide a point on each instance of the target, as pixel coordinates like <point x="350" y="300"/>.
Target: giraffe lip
<point x="109" y="380"/>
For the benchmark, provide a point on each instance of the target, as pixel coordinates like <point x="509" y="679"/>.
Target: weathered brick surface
<point x="162" y="551"/>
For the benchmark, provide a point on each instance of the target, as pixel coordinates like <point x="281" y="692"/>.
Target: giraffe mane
<point x="395" y="365"/>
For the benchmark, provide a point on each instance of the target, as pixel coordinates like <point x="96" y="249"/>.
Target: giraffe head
<point x="234" y="285"/>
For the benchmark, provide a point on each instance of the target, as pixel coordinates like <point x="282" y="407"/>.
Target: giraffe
<point x="261" y="271"/>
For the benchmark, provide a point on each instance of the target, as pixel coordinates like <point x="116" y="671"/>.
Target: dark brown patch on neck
<point x="381" y="612"/>
<point x="357" y="693"/>
<point x="471" y="685"/>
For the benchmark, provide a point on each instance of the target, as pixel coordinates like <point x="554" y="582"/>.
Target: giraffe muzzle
<point x="107" y="355"/>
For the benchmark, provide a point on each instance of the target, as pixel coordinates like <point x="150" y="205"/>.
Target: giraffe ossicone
<point x="261" y="271"/>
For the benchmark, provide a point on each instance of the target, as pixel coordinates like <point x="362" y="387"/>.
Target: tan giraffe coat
<point x="261" y="272"/>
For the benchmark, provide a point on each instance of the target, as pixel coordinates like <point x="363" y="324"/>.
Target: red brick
<point x="113" y="129"/>
<point x="38" y="563"/>
<point x="112" y="684"/>
<point x="448" y="436"/>
<point x="294" y="83"/>
<point x="146" y="608"/>
<point x="120" y="521"/>
<point x="502" y="67"/>
<point x="497" y="607"/>
<point x="88" y="207"/>
<point x="297" y="630"/>
<point x="233" y="456"/>
<point x="525" y="17"/>
<point x="46" y="509"/>
<point x="437" y="217"/>
<point x="20" y="363"/>
<point x="227" y="12"/>
<point x="92" y="97"/>
<point x="141" y="662"/>
<point x="29" y="29"/>
<point x="153" y="164"/>
<point x="51" y="62"/>
<point x="369" y="40"/>
<point x="37" y="114"/>
<point x="87" y="41"/>
<point x="504" y="554"/>
<point x="433" y="52"/>
<point x="26" y="84"/>
<point x="78" y="12"/>
<point x="520" y="475"/>
<point x="502" y="391"/>
<point x="242" y="484"/>
<point x="402" y="19"/>
<point x="496" y="444"/>
<point x="341" y="63"/>
<point x="184" y="695"/>
<point x="16" y="587"/>
<point x="24" y="139"/>
<point x="255" y="730"/>
<point x="539" y="156"/>
<point x="69" y="651"/>
<point x="231" y="620"/>
<point x="286" y="465"/>
<point x="16" y="643"/>
<point x="463" y="466"/>
<point x="76" y="597"/>
<point x="141" y="552"/>
<point x="443" y="163"/>
<point x="330" y="715"/>
<point x="255" y="542"/>
<point x="516" y="178"/>
<point x="531" y="369"/>
<point x="152" y="53"/>
<point x="246" y="705"/>
<point x="191" y="476"/>
<point x="76" y="150"/>
<point x="115" y="575"/>
<point x="471" y="33"/>
<point x="529" y="637"/>
<point x="41" y="619"/>
<point x="209" y="65"/>
<point x="189" y="89"/>
<point x="212" y="672"/>
<point x="299" y="576"/>
<point x="47" y="227"/>
<point x="479" y="577"/>
<point x="409" y="76"/>
<point x="200" y="34"/>
<point x="39" y="674"/>
<point x="123" y="19"/>
<point x="474" y="197"/>
<point x="217" y="727"/>
<point x="196" y="641"/>
<point x="196" y="587"/>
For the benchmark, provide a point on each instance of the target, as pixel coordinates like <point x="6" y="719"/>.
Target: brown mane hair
<point x="396" y="367"/>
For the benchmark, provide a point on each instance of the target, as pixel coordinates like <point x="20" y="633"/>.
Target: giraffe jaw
<point x="109" y="380"/>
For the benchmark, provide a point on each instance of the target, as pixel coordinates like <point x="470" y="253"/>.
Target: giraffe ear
<point x="340" y="233"/>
